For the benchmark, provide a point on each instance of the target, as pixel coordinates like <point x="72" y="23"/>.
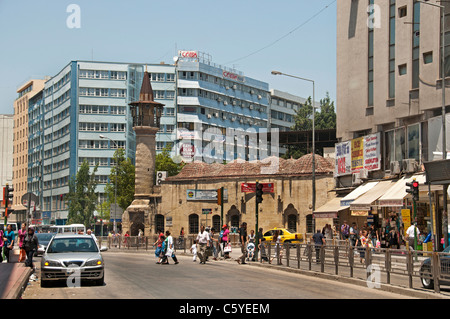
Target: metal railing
<point x="391" y="266"/>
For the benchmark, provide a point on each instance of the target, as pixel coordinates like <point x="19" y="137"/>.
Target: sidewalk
<point x="13" y="277"/>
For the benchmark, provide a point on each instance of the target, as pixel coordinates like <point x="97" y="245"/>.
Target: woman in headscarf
<point x="30" y="244"/>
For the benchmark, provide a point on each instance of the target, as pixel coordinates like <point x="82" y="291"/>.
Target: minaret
<point x="146" y="115"/>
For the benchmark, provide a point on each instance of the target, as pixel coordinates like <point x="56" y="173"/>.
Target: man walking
<point x="319" y="240"/>
<point x="243" y="238"/>
<point x="203" y="242"/>
<point x="410" y="233"/>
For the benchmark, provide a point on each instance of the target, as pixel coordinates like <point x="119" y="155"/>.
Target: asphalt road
<point x="137" y="276"/>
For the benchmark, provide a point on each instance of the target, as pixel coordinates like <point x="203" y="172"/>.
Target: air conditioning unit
<point x="395" y="168"/>
<point x="234" y="103"/>
<point x="252" y="92"/>
<point x="409" y="165"/>
<point x="251" y="107"/>
<point x="259" y="97"/>
<point x="356" y="179"/>
<point x="234" y="86"/>
<point x="216" y="114"/>
<point x="160" y="176"/>
<point x="209" y="116"/>
<point x="227" y="87"/>
<point x="233" y="119"/>
<point x="224" y="117"/>
<point x="364" y="173"/>
<point x="219" y="99"/>
<point x="225" y="103"/>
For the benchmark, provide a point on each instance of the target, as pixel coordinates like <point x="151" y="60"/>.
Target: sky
<point x="296" y="37"/>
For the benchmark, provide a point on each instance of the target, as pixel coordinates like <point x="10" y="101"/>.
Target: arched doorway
<point x="233" y="217"/>
<point x="290" y="218"/>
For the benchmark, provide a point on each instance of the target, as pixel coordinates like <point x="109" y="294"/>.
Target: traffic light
<point x="259" y="192"/>
<point x="7" y="198"/>
<point x="413" y="189"/>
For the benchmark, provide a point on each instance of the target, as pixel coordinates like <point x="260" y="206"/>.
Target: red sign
<point x="233" y="76"/>
<point x="251" y="187"/>
<point x="188" y="54"/>
<point x="187" y="150"/>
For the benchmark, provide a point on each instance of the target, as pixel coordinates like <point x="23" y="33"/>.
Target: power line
<point x="284" y="36"/>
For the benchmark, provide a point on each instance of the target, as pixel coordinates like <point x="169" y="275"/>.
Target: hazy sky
<point x="254" y="36"/>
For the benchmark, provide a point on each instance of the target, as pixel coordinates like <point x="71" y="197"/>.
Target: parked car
<point x="286" y="235"/>
<point x="43" y="239"/>
<point x="426" y="274"/>
<point x="66" y="254"/>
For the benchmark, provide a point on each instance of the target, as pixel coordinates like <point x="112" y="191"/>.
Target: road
<point x="137" y="276"/>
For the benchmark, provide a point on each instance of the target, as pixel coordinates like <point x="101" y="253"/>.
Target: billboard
<point x="363" y="152"/>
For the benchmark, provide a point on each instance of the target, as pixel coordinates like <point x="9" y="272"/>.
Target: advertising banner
<point x="372" y="153"/>
<point x="251" y="187"/>
<point x="204" y="194"/>
<point x="357" y="154"/>
<point x="363" y="152"/>
<point x="343" y="158"/>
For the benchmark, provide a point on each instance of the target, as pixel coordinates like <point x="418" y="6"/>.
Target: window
<point x="414" y="142"/>
<point x="392" y="49"/>
<point x="193" y="224"/>
<point x="402" y="69"/>
<point x="370" y="94"/>
<point x="428" y="57"/>
<point x="402" y="12"/>
<point x="159" y="222"/>
<point x="415" y="45"/>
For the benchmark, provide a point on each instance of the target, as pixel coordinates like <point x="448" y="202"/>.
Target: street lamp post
<point x="115" y="187"/>
<point x="313" y="136"/>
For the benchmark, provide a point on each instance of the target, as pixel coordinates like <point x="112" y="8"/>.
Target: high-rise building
<point x="389" y="76"/>
<point x="6" y="149"/>
<point x="20" y="144"/>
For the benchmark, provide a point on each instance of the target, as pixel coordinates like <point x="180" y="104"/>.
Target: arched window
<point x="216" y="223"/>
<point x="309" y="224"/>
<point x="193" y="224"/>
<point x="292" y="222"/>
<point x="159" y="222"/>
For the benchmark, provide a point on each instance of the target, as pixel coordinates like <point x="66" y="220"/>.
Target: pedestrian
<point x="353" y="234"/>
<point x="243" y="238"/>
<point x="158" y="244"/>
<point x="125" y="240"/>
<point x="328" y="232"/>
<point x="21" y="235"/>
<point x="363" y="241"/>
<point x="30" y="245"/>
<point x="373" y="236"/>
<point x="225" y="240"/>
<point x="193" y="250"/>
<point x="319" y="241"/>
<point x="393" y="238"/>
<point x="89" y="232"/>
<point x="277" y="253"/>
<point x="1" y="245"/>
<point x="203" y="243"/>
<point x="170" y="250"/>
<point x="411" y="233"/>
<point x="214" y="242"/>
<point x="345" y="231"/>
<point x="8" y="239"/>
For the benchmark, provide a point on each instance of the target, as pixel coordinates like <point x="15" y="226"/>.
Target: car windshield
<point x="65" y="245"/>
<point x="44" y="237"/>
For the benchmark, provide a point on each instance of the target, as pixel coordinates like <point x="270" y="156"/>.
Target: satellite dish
<point x="175" y="59"/>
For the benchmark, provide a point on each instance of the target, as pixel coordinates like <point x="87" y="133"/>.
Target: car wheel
<point x="44" y="283"/>
<point x="425" y="278"/>
<point x="101" y="281"/>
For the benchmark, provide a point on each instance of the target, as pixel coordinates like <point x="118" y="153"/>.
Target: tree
<point x="325" y="119"/>
<point x="124" y="173"/>
<point x="165" y="163"/>
<point x="82" y="198"/>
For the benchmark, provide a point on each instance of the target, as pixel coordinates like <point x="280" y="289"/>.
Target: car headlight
<point x="52" y="263"/>
<point x="94" y="262"/>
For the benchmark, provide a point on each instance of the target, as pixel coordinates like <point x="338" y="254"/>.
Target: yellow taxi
<point x="286" y="235"/>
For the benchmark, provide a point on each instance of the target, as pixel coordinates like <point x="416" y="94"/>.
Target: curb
<point x="359" y="282"/>
<point x="20" y="285"/>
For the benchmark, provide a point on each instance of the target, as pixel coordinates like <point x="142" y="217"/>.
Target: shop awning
<point x="347" y="200"/>
<point x="330" y="209"/>
<point x="365" y="201"/>
<point x="394" y="196"/>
